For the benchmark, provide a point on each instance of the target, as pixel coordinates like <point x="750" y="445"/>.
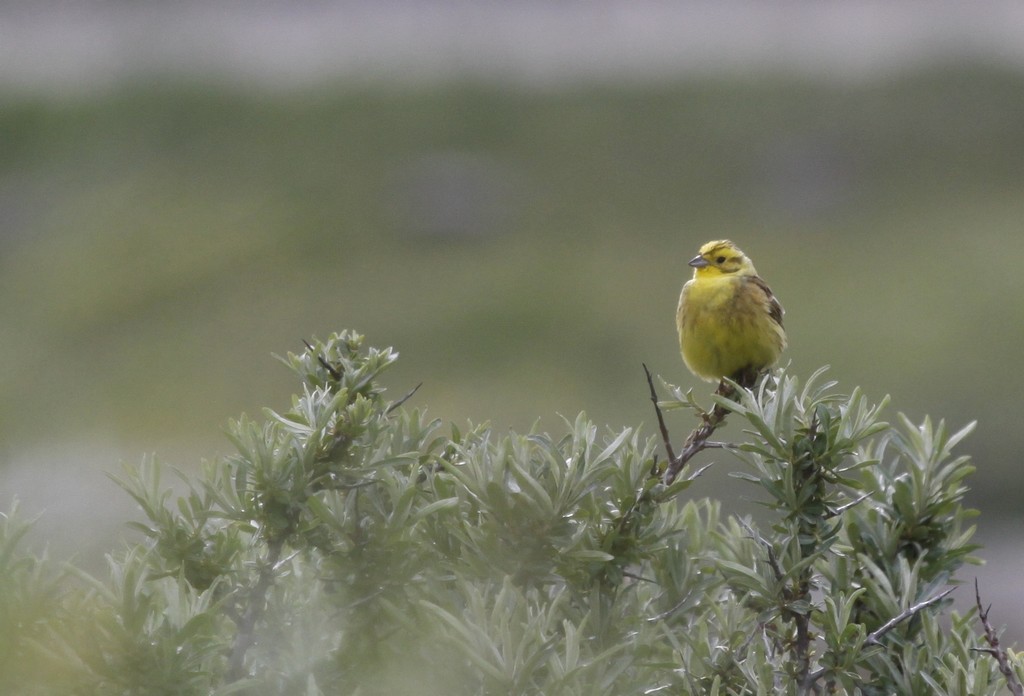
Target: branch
<point x="326" y="365"/>
<point x="802" y="651"/>
<point x="698" y="439"/>
<point x="1012" y="683"/>
<point x="405" y="398"/>
<point x="661" y="419"/>
<point x="843" y="508"/>
<point x="874" y="638"/>
<point x="246" y="623"/>
<point x="670" y="611"/>
<point x="773" y="560"/>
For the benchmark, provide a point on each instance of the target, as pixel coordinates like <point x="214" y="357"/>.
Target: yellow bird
<point x="730" y="324"/>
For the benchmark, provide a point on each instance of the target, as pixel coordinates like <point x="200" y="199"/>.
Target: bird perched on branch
<point x="730" y="324"/>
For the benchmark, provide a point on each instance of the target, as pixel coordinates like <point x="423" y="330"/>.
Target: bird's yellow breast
<point x="725" y="327"/>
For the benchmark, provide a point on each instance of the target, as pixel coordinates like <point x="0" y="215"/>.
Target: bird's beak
<point x="699" y="261"/>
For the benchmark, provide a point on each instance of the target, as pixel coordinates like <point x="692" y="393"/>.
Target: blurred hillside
<point x="522" y="246"/>
<point x="523" y="250"/>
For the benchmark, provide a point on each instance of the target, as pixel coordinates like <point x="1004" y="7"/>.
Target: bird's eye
<point x="720" y="259"/>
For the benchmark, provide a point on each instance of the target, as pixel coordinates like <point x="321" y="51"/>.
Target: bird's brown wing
<point x="775" y="310"/>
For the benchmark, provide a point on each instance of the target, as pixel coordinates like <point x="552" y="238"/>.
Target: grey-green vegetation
<point x="353" y="545"/>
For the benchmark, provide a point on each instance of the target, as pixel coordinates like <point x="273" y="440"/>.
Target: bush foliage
<point x="354" y="546"/>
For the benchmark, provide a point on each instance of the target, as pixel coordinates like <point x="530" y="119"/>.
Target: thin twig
<point x="802" y="650"/>
<point x="326" y="365"/>
<point x="1012" y="683"/>
<point x="245" y="637"/>
<point x="698" y="440"/>
<point x="661" y="419"/>
<point x="634" y="576"/>
<point x="405" y="398"/>
<point x="875" y="637"/>
<point x="773" y="560"/>
<point x="802" y="644"/>
<point x="670" y="611"/>
<point x="843" y="508"/>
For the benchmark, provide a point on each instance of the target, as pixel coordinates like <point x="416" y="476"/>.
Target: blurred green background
<point x="521" y="246"/>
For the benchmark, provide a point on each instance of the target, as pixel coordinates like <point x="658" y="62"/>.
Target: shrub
<point x="352" y="545"/>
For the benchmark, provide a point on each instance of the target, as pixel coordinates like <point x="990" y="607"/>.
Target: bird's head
<point x="721" y="258"/>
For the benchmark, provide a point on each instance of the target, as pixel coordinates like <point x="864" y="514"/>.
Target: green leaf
<point x="434" y="507"/>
